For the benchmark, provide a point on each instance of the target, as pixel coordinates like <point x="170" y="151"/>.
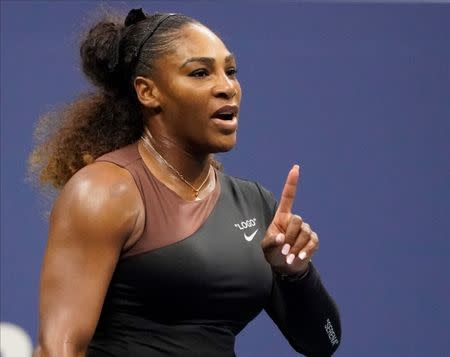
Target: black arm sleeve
<point x="301" y="307"/>
<point x="305" y="314"/>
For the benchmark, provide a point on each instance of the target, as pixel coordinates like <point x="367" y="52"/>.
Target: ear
<point x="146" y="92"/>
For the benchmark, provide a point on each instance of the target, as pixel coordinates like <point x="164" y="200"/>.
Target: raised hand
<point x="289" y="242"/>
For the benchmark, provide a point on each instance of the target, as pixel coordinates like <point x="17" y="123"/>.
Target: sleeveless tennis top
<point x="197" y="275"/>
<point x="187" y="293"/>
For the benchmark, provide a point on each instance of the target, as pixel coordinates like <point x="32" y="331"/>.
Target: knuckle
<point x="297" y="219"/>
<point x="315" y="244"/>
<point x="315" y="237"/>
<point x="306" y="228"/>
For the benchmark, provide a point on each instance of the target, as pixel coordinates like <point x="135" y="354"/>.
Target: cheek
<point x="192" y="105"/>
<point x="187" y="107"/>
<point x="188" y="98"/>
<point x="189" y="116"/>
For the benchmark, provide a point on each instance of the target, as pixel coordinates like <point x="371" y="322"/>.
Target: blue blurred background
<point x="358" y="94"/>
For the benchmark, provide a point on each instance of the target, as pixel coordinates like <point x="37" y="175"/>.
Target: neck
<point x="178" y="161"/>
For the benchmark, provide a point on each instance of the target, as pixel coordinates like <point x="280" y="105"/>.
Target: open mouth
<point x="227" y="113"/>
<point x="224" y="116"/>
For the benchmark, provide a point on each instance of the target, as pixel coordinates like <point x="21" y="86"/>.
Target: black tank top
<point x="191" y="297"/>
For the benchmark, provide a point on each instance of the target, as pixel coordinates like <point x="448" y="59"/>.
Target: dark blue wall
<point x="358" y="94"/>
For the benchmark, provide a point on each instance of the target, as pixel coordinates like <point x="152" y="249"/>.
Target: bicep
<point x="88" y="227"/>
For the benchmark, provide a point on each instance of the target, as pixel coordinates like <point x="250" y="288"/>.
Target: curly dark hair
<point x="113" y="52"/>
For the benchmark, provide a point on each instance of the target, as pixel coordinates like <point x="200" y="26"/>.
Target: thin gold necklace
<point x="148" y="145"/>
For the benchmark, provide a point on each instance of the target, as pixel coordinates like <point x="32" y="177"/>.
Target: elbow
<point x="44" y="349"/>
<point x="57" y="347"/>
<point x="325" y="349"/>
<point x="330" y="341"/>
<point x="320" y="342"/>
<point x="318" y="350"/>
<point x="334" y="334"/>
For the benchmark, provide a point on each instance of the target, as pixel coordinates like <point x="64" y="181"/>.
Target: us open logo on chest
<point x="249" y="226"/>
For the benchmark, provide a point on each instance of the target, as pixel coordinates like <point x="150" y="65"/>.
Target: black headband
<point x="163" y="18"/>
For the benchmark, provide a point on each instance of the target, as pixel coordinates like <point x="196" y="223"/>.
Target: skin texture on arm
<point x="97" y="213"/>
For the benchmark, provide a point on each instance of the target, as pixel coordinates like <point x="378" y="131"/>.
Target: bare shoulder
<point x="101" y="177"/>
<point x="100" y="197"/>
<point x="90" y="223"/>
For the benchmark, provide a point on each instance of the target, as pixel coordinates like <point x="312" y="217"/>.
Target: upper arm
<point x="90" y="222"/>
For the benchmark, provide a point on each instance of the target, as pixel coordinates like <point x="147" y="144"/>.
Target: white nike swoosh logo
<point x="250" y="237"/>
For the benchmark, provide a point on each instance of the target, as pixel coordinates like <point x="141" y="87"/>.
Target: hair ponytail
<point x="109" y="117"/>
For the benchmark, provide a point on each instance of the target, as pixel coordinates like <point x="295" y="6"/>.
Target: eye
<point x="232" y="72"/>
<point x="199" y="73"/>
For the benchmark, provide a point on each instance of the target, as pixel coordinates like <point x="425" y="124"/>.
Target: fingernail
<point x="297" y="167"/>
<point x="290" y="258"/>
<point x="285" y="249"/>
<point x="279" y="238"/>
<point x="302" y="255"/>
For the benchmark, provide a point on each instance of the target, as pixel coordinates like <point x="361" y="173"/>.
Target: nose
<point x="225" y="87"/>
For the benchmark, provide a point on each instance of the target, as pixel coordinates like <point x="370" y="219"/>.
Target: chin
<point x="225" y="145"/>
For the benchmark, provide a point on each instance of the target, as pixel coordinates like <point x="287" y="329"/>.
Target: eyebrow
<point x="207" y="60"/>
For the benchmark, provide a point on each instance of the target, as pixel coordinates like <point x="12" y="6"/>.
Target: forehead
<point x="198" y="41"/>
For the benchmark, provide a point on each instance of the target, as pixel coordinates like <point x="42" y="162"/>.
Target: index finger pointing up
<point x="289" y="190"/>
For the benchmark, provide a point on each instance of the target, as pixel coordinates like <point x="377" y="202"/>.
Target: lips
<point x="227" y="112"/>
